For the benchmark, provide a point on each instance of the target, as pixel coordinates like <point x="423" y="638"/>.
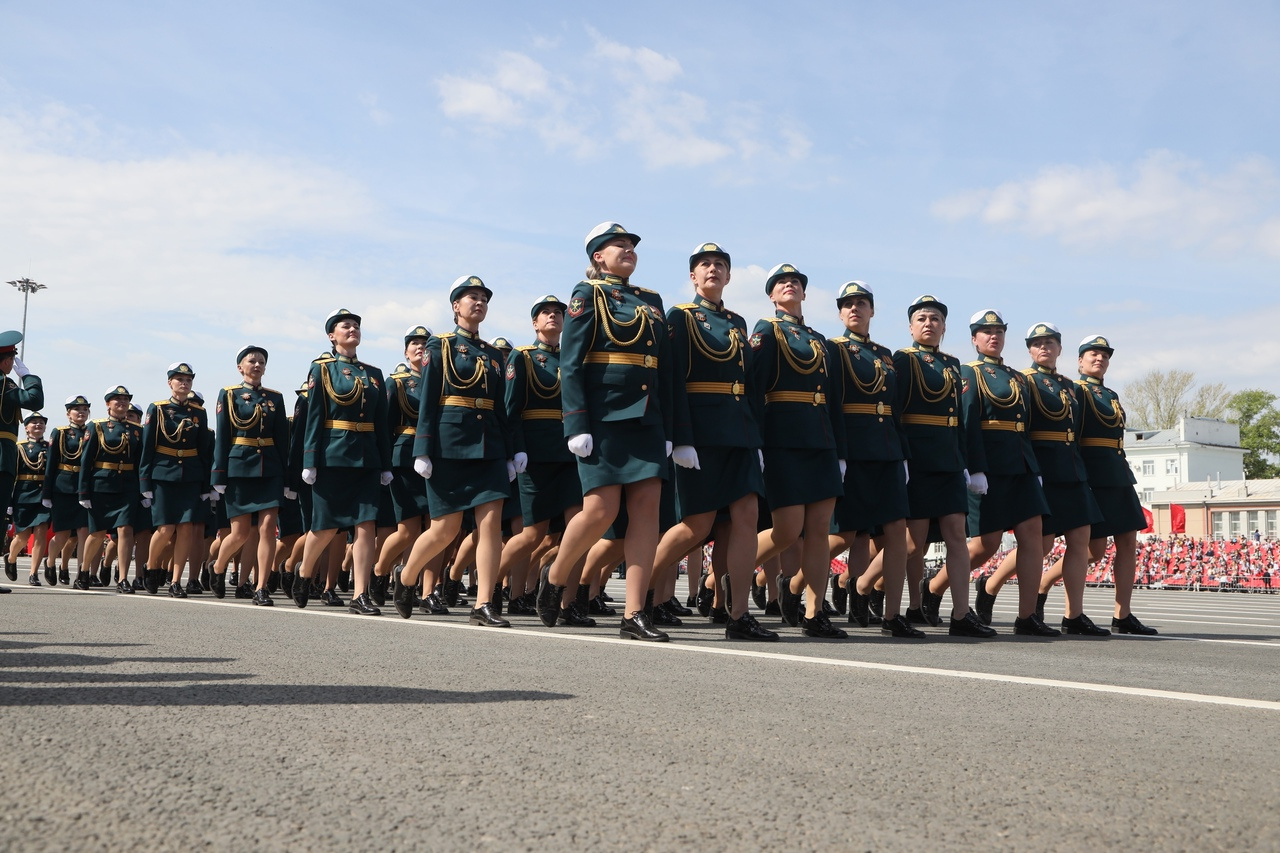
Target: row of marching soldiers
<point x="545" y="465"/>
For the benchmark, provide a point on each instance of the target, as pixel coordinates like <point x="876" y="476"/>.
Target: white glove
<point x="9" y="511"/>
<point x="581" y="445"/>
<point x="978" y="483"/>
<point x="522" y="462"/>
<point x="148" y="495"/>
<point x="86" y="503"/>
<point x="386" y="478"/>
<point x="686" y="457"/>
<point x="966" y="477"/>
<point x="1039" y="479"/>
<point x="906" y="471"/>
<point x="46" y="503"/>
<point x="290" y="494"/>
<point x="511" y="470"/>
<point x="146" y="503"/>
<point x="422" y="465"/>
<point x="309" y="476"/>
<point x="214" y="497"/>
<point x="844" y="466"/>
<point x="668" y="448"/>
<point x="760" y="453"/>
<point x="220" y="489"/>
<point x="20" y="368"/>
<point x="205" y="496"/>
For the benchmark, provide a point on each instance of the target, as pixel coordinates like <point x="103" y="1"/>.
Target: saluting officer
<point x="1110" y="477"/>
<point x="1004" y="475"/>
<point x="798" y="408"/>
<point x="346" y="457"/>
<point x="463" y="449"/>
<point x="30" y="516"/>
<point x="26" y="393"/>
<point x="717" y="440"/>
<point x="177" y="449"/>
<point x="939" y="437"/>
<point x="62" y="486"/>
<point x="408" y="489"/>
<point x="250" y="452"/>
<point x="109" y="484"/>
<point x="616" y="390"/>
<point x="875" y="483"/>
<point x="549" y="486"/>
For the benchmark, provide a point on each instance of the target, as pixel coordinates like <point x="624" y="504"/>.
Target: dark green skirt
<point x="177" y="503"/>
<point x="1071" y="505"/>
<point x="800" y="475"/>
<point x="344" y="497"/>
<point x="408" y="494"/>
<point x="142" y="517"/>
<point x="1121" y="511"/>
<point x="289" y="522"/>
<point x="933" y="494"/>
<point x="461" y="484"/>
<point x="1010" y="500"/>
<point x="624" y="452"/>
<point x="306" y="504"/>
<point x="386" y="507"/>
<point x="252" y="494"/>
<point x="547" y="489"/>
<point x="111" y="510"/>
<point x="68" y="515"/>
<point x="27" y="516"/>
<point x="724" y="475"/>
<point x="875" y="493"/>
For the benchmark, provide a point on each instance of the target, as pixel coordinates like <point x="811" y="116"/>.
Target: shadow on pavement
<point x="38" y="659"/>
<point x="189" y="695"/>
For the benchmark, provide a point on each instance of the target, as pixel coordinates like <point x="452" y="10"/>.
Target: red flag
<point x="1178" y="518"/>
<point x="1146" y="513"/>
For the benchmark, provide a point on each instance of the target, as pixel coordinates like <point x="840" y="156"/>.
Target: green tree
<point x="1255" y="411"/>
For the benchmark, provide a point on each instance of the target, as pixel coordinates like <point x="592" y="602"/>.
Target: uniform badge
<point x="496" y="367"/>
<point x="616" y="294"/>
<point x="246" y="396"/>
<point x="928" y="359"/>
<point x="346" y="371"/>
<point x="576" y="305"/>
<point x="413" y="383"/>
<point x="462" y="349"/>
<point x="373" y="380"/>
<point x="219" y="409"/>
<point x="964" y="386"/>
<point x="756" y="341"/>
<point x="426" y="359"/>
<point x="855" y="349"/>
<point x="706" y="326"/>
<point x="990" y="371"/>
<point x="511" y="370"/>
<point x="541" y="359"/>
<point x="311" y="382"/>
<point x="699" y="316"/>
<point x="795" y="333"/>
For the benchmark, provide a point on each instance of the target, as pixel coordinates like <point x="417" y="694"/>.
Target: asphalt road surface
<point x="139" y="720"/>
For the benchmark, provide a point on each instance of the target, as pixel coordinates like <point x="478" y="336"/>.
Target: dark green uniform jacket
<point x="177" y="444"/>
<point x="709" y="394"/>
<point x="62" y="470"/>
<point x="615" y="358"/>
<point x="794" y="399"/>
<point x="462" y="413"/>
<point x="32" y="459"/>
<point x="994" y="398"/>
<point x="14" y="398"/>
<point x="1102" y="434"/>
<point x="1055" y="426"/>
<point x="404" y="398"/>
<point x="868" y="387"/>
<point x="252" y="437"/>
<point x="346" y="424"/>
<point x="533" y="403"/>
<point x="111" y="457"/>
<point x="928" y="405"/>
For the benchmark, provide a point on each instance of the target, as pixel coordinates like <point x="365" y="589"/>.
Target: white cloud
<point x="616" y="94"/>
<point x="1163" y="201"/>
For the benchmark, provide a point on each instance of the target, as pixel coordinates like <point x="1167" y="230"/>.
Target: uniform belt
<point x="349" y="426"/>
<point x="1005" y="426"/>
<point x="542" y="415"/>
<point x="406" y="430"/>
<point x="1053" y="435"/>
<point x="468" y="402"/>
<point x="253" y="442"/>
<point x="932" y="420"/>
<point x="1117" y="443"/>
<point x="174" y="451"/>
<point x="9" y="436"/>
<point x="734" y="388"/>
<point x="31" y="478"/>
<point x="114" y="466"/>
<point x="74" y="469"/>
<point x="632" y="358"/>
<point x="866" y="409"/>
<point x="816" y="398"/>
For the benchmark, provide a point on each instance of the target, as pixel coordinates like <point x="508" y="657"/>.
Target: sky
<point x="187" y="179"/>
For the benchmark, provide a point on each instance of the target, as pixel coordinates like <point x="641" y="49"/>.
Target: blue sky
<point x="189" y="179"/>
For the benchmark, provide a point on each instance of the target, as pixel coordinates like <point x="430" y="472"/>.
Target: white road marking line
<point x="1028" y="681"/>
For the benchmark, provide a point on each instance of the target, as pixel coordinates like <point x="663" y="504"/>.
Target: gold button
<point x="648" y="343"/>
<point x="950" y="410"/>
<point x="819" y="387"/>
<point x="479" y="417"/>
<point x="644" y="387"/>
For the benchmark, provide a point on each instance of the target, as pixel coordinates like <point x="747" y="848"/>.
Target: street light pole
<point x="28" y="287"/>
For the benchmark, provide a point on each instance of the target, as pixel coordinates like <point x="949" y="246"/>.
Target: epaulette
<point x="193" y="404"/>
<point x="400" y="374"/>
<point x="323" y="359"/>
<point x="977" y="363"/>
<point x="444" y="335"/>
<point x="99" y="420"/>
<point x="526" y="348"/>
<point x="840" y="340"/>
<point x="159" y="403"/>
<point x="687" y="306"/>
<point x="232" y="387"/>
<point x="909" y="349"/>
<point x="643" y="289"/>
